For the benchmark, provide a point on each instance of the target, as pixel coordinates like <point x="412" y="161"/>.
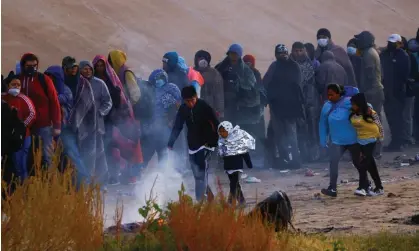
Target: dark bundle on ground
<point x="276" y="209"/>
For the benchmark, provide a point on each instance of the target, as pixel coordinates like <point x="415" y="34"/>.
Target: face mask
<point x="203" y="63"/>
<point x="30" y="71"/>
<point x="322" y="42"/>
<point x="14" y="91"/>
<point x="391" y="46"/>
<point x="159" y="83"/>
<point x="351" y="50"/>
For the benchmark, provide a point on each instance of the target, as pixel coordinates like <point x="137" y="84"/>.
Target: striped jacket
<point x="25" y="108"/>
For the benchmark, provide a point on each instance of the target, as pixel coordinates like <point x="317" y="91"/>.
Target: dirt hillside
<point x="148" y="28"/>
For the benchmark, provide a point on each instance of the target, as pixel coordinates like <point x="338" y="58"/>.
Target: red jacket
<point x="48" y="111"/>
<point x="25" y="108"/>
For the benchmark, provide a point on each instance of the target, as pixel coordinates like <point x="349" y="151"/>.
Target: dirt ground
<point x="346" y="213"/>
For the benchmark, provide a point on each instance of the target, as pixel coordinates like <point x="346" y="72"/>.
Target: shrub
<point x="46" y="212"/>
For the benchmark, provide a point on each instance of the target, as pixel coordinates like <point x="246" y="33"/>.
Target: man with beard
<point x="325" y="43"/>
<point x="308" y="132"/>
<point x="370" y="74"/>
<point x="283" y="84"/>
<point x="395" y="71"/>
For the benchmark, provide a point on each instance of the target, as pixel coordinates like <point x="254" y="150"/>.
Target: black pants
<point x="235" y="188"/>
<point x="393" y="109"/>
<point x="368" y="165"/>
<point x="336" y="152"/>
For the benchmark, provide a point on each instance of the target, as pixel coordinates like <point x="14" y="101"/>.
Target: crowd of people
<point x="323" y="100"/>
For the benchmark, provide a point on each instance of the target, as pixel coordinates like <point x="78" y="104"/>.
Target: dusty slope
<point x="148" y="28"/>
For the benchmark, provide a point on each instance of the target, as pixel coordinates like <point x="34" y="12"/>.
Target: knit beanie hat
<point x="324" y="32"/>
<point x="236" y="48"/>
<point x="281" y="48"/>
<point x="171" y="58"/>
<point x="249" y="59"/>
<point x="203" y="54"/>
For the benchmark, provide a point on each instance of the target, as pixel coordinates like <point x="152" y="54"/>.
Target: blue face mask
<point x="159" y="83"/>
<point x="351" y="50"/>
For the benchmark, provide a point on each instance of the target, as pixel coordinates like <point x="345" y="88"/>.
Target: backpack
<point x="42" y="81"/>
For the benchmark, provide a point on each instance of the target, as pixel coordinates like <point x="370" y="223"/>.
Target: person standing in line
<point x="40" y="89"/>
<point x="413" y="46"/>
<point x="369" y="131"/>
<point x="286" y="102"/>
<point x="370" y="75"/>
<point x="325" y="43"/>
<point x="395" y="66"/>
<point x="337" y="134"/>
<point x="27" y="114"/>
<point x="202" y="124"/>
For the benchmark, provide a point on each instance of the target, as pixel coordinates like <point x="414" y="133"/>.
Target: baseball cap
<point x="394" y="38"/>
<point x="69" y="62"/>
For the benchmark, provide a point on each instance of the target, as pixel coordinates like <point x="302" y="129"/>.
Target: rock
<point x="391" y="195"/>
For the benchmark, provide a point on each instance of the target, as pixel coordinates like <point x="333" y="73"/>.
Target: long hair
<point x="360" y="100"/>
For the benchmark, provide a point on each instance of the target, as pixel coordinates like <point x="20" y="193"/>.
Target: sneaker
<point x="113" y="182"/>
<point x="376" y="192"/>
<point x="330" y="192"/>
<point x="360" y="192"/>
<point x="132" y="181"/>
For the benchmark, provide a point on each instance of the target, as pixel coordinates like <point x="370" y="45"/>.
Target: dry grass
<point x="46" y="212"/>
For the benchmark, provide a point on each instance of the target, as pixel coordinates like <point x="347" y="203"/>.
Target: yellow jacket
<point x="370" y="129"/>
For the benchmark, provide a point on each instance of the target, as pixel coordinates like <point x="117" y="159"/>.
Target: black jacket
<point x="202" y="125"/>
<point x="395" y="70"/>
<point x="235" y="162"/>
<point x="283" y="85"/>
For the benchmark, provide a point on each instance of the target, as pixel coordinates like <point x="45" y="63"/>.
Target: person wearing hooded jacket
<point x="45" y="99"/>
<point x="167" y="101"/>
<point x="241" y="96"/>
<point x="308" y="132"/>
<point x="329" y="72"/>
<point x="213" y="90"/>
<point x="282" y="82"/>
<point x="354" y="56"/>
<point x="395" y="73"/>
<point x="325" y="43"/>
<point x="27" y="114"/>
<point x="68" y="137"/>
<point x="176" y="74"/>
<point x="118" y="60"/>
<point x="92" y="103"/>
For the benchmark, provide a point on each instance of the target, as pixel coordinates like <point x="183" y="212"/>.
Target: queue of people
<point x="322" y="99"/>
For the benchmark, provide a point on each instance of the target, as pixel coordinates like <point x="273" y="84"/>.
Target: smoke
<point x="167" y="182"/>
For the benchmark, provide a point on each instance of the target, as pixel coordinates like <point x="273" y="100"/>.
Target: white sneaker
<point x="376" y="192"/>
<point x="360" y="192"/>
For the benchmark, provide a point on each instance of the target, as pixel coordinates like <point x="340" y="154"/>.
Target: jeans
<point x="407" y="130"/>
<point x="45" y="134"/>
<point x="335" y="153"/>
<point x="199" y="166"/>
<point x="71" y="149"/>
<point x="285" y="133"/>
<point x="20" y="159"/>
<point x="235" y="188"/>
<point x="368" y="165"/>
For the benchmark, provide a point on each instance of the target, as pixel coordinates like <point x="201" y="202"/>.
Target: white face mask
<point x="322" y="42"/>
<point x="203" y="63"/>
<point x="160" y="83"/>
<point x="14" y="91"/>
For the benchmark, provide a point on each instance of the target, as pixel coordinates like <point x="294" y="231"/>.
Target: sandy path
<point x="345" y="213"/>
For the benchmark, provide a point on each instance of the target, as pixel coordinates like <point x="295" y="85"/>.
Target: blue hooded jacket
<point x="65" y="96"/>
<point x="176" y="74"/>
<point x="334" y="125"/>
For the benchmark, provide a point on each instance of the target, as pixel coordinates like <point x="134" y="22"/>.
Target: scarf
<point x="307" y="68"/>
<point x="237" y="142"/>
<point x="110" y="72"/>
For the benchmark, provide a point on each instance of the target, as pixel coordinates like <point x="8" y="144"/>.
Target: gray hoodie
<point x="370" y="70"/>
<point x="342" y="59"/>
<point x="330" y="72"/>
